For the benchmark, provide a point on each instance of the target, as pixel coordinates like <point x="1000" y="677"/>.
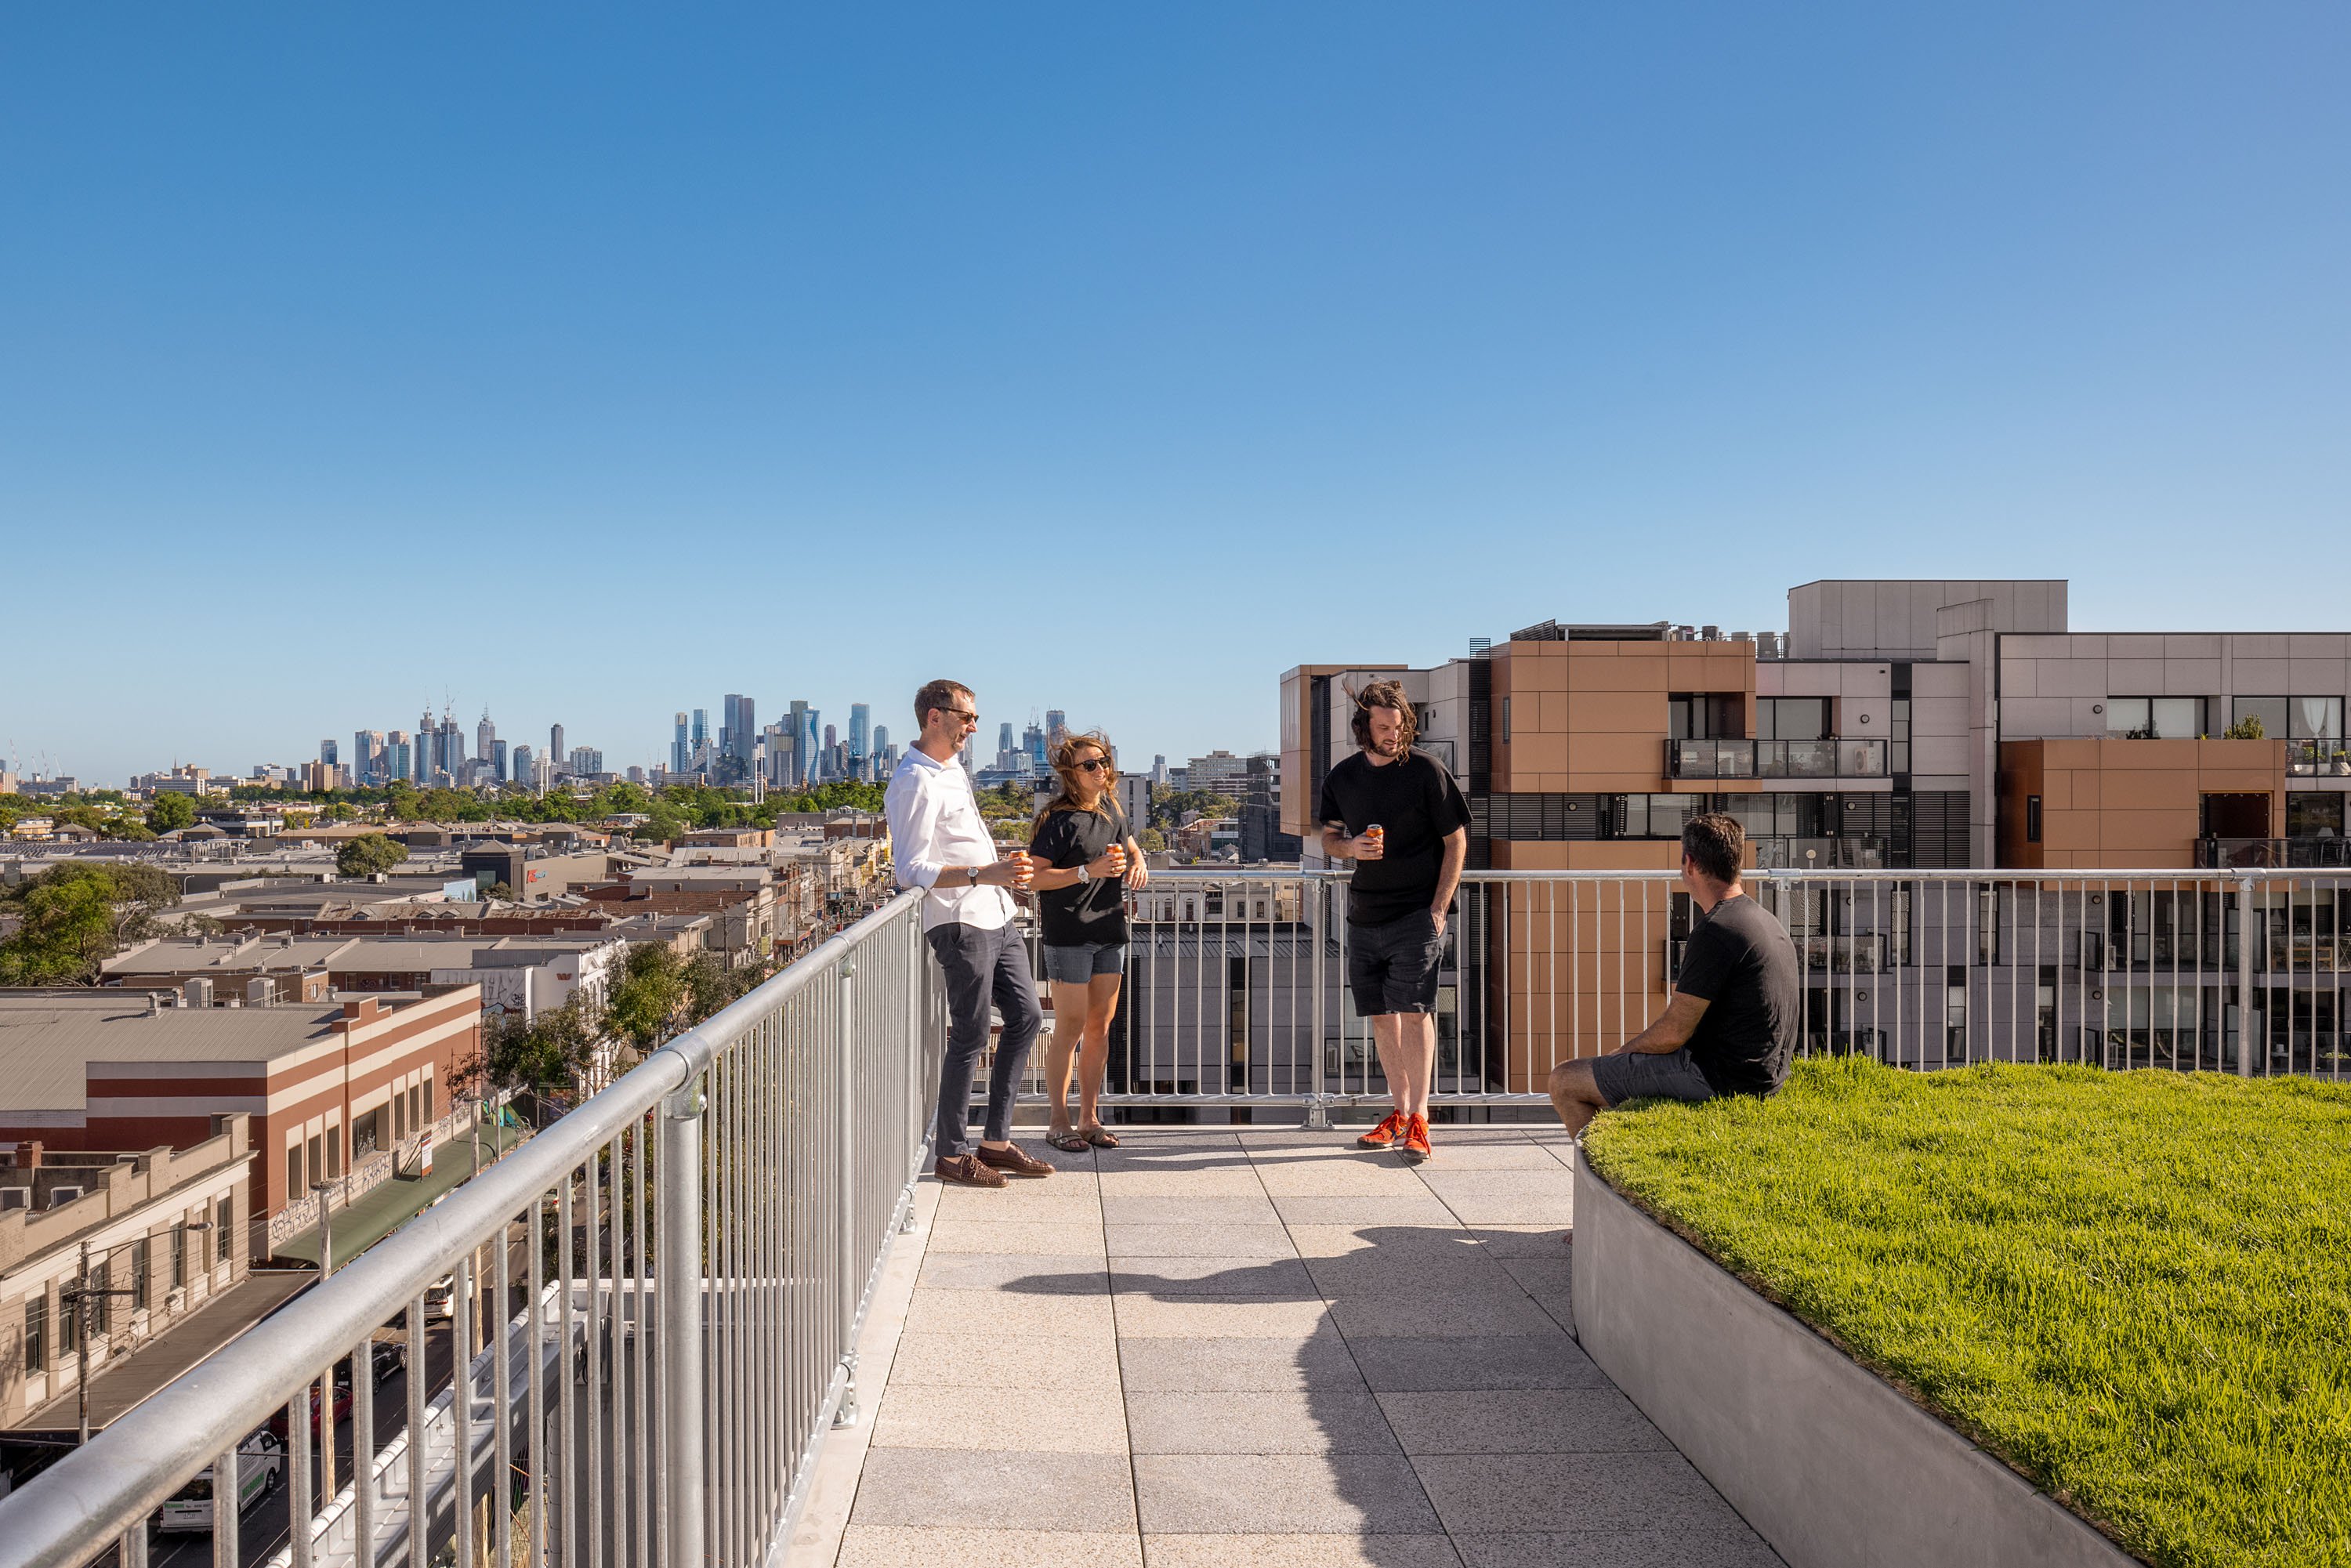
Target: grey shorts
<point x="1076" y="965"/>
<point x="1392" y="969"/>
<point x="1650" y="1075"/>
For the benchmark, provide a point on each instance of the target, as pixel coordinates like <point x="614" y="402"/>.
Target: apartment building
<point x="1895" y="726"/>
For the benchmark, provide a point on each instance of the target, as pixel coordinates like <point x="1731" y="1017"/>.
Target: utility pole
<point x="82" y="1295"/>
<point x="326" y="1406"/>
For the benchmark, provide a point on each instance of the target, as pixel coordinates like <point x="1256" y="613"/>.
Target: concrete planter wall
<point x="1831" y="1465"/>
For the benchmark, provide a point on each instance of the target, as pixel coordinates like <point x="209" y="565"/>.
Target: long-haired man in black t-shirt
<point x="1400" y="817"/>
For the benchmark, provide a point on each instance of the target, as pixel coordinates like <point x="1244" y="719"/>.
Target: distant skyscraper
<point x="803" y="751"/>
<point x="1057" y="725"/>
<point x="880" y="738"/>
<point x="1004" y="738"/>
<point x="809" y="744"/>
<point x="485" y="735"/>
<point x="1032" y="741"/>
<point x="831" y="738"/>
<point x="398" y="756"/>
<point x="498" y="761"/>
<point x="522" y="774"/>
<point x="740" y="731"/>
<point x="555" y="745"/>
<point x="327" y="752"/>
<point x="681" y="748"/>
<point x="860" y="720"/>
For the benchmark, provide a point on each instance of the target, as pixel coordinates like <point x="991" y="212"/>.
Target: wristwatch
<point x="971" y="875"/>
<point x="1085" y="873"/>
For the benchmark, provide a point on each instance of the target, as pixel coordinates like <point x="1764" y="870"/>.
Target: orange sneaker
<point x="1416" y="1141"/>
<point x="1384" y="1135"/>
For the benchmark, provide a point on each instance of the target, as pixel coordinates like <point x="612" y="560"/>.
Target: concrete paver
<point x="1266" y="1346"/>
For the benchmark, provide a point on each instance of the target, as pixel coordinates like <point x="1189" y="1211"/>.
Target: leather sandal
<point x="1068" y="1142"/>
<point x="1099" y="1137"/>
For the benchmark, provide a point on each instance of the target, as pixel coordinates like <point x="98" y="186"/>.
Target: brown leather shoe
<point x="1012" y="1162"/>
<point x="965" y="1170"/>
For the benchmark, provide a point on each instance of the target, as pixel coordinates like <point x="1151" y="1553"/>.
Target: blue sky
<point x="594" y="364"/>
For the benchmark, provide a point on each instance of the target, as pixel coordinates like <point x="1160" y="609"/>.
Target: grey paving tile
<point x="1173" y="1209"/>
<point x="1002" y="1357"/>
<point x="1048" y="1273"/>
<point x="1232" y="1178"/>
<point x="925" y="1416"/>
<point x="1355" y="1174"/>
<point x="1550" y="1274"/>
<point x="1521" y="1421"/>
<point x="995" y="1490"/>
<point x="1365" y="1208"/>
<point x="1213" y="1277"/>
<point x="1276" y="1494"/>
<point x="1618" y="1549"/>
<point x="1506" y="1197"/>
<point x="1563" y="1493"/>
<point x="895" y="1546"/>
<point x="1042" y="1316"/>
<point x="1219" y="1317"/>
<point x="1236" y="1365"/>
<point x="1433" y="1365"/>
<point x="1027" y="1237"/>
<point x="1432" y="1314"/>
<point x="1388" y="1271"/>
<point x="1300" y="1551"/>
<point x="1548" y="1240"/>
<point x="1452" y="1152"/>
<point x="1199" y="1241"/>
<point x="1338" y="1240"/>
<point x="1323" y="1421"/>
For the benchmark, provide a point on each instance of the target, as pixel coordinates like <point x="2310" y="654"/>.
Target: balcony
<point x="2318" y="758"/>
<point x="1838" y="759"/>
<point x="2265" y="854"/>
<point x="1858" y="853"/>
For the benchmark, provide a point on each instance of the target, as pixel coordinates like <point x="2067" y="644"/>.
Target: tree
<point x="1151" y="840"/>
<point x="368" y="854"/>
<point x="499" y="890"/>
<point x="647" y="1003"/>
<point x="171" y="812"/>
<point x="554" y="1054"/>
<point x="73" y="917"/>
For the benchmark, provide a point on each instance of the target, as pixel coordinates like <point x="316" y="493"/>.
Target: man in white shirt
<point x="939" y="844"/>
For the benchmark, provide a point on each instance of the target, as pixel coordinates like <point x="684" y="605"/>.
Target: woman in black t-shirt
<point x="1086" y="858"/>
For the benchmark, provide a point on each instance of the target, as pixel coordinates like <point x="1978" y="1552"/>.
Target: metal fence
<point x="1234" y="990"/>
<point x="652" y="1313"/>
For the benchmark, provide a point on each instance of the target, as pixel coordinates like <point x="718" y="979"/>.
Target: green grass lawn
<point x="2136" y="1287"/>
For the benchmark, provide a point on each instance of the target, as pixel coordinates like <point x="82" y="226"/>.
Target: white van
<point x="260" y="1470"/>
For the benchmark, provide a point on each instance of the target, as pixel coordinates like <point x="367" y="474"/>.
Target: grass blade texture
<point x="2134" y="1286"/>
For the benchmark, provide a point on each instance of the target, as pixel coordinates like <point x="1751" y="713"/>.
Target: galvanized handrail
<point x="104" y="1493"/>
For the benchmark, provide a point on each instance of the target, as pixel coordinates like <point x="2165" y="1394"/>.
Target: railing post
<point x="845" y="1118"/>
<point x="2245" y="981"/>
<point x="678" y="1298"/>
<point x="914" y="1044"/>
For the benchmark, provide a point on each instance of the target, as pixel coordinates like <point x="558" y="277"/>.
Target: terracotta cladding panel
<point x="1548" y="712"/>
<point x="2143" y="756"/>
<point x="1617" y="752"/>
<point x="2068" y="831"/>
<point x="1539" y="753"/>
<point x="2145" y="831"/>
<point x="1617" y="712"/>
<point x="2147" y="789"/>
<point x="1629" y="674"/>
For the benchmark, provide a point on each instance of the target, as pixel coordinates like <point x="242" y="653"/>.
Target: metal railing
<point x="1234" y="988"/>
<point x="653" y="1309"/>
<point x="2318" y="758"/>
<point x="1843" y="758"/>
<point x="2229" y="855"/>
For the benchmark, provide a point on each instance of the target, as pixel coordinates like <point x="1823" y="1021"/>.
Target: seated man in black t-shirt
<point x="1737" y="1001"/>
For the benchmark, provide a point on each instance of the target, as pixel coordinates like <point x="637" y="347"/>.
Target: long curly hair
<point x="1387" y="695"/>
<point x="1066" y="755"/>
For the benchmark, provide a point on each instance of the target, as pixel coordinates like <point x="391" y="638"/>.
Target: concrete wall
<point x="1831" y="1465"/>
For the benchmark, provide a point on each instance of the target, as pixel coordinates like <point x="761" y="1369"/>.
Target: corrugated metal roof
<point x="47" y="1041"/>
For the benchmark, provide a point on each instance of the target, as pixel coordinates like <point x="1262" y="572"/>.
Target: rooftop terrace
<point x="1252" y="1347"/>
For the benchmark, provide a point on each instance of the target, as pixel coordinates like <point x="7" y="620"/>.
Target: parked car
<point x="441" y="1299"/>
<point x="278" y="1423"/>
<point x="260" y="1470"/>
<point x="388" y="1352"/>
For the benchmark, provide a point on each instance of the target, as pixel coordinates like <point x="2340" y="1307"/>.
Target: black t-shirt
<point x="1084" y="910"/>
<point x="1740" y="960"/>
<point x="1417" y="803"/>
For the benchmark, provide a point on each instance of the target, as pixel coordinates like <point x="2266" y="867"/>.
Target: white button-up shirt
<point x="934" y="824"/>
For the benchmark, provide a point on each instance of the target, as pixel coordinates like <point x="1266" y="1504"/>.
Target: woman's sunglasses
<point x="1093" y="765"/>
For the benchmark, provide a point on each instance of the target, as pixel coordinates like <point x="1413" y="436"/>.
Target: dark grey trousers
<point x="982" y="966"/>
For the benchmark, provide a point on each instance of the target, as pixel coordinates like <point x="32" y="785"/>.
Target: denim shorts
<point x="1650" y="1075"/>
<point x="1392" y="969"/>
<point x="1076" y="965"/>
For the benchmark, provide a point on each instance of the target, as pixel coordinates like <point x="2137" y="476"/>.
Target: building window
<point x="140" y="1267"/>
<point x="2313" y="814"/>
<point x="1506" y="719"/>
<point x="2268" y="712"/>
<point x="2155" y="718"/>
<point x="101" y="1303"/>
<point x="36" y="1331"/>
<point x="179" y="1257"/>
<point x="293" y="1183"/>
<point x="2032" y="819"/>
<point x="2314" y="719"/>
<point x="1791" y="718"/>
<point x="221" y="1214"/>
<point x="1705" y="716"/>
<point x="334" y="1151"/>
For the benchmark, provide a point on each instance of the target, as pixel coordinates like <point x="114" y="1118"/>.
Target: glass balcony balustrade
<point x="1843" y="758"/>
